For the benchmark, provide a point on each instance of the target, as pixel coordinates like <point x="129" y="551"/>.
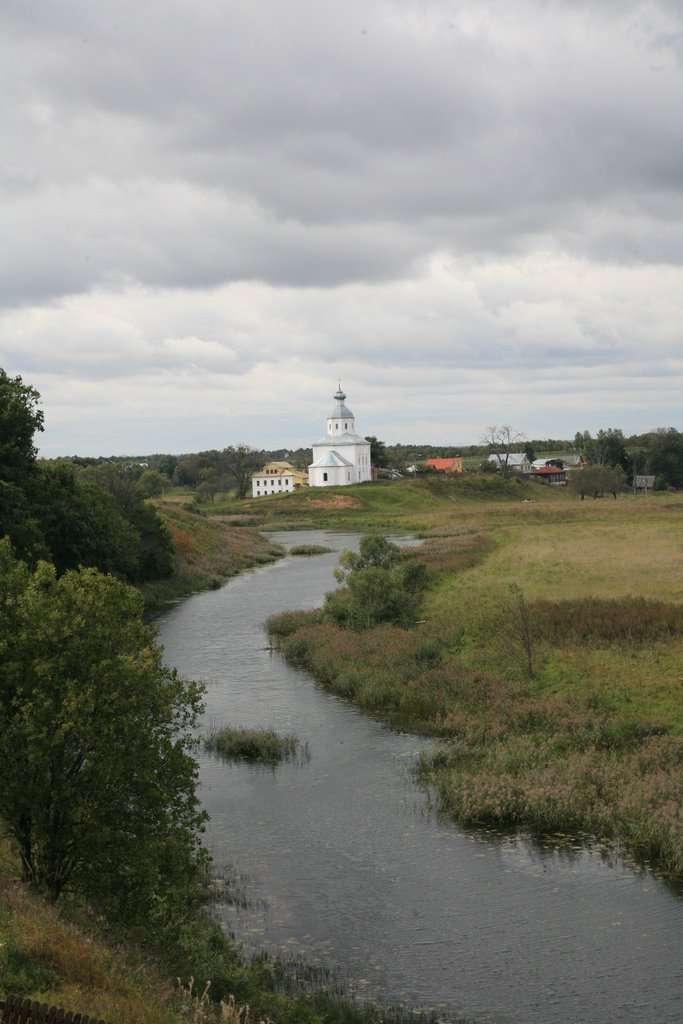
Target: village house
<point x="277" y="478"/>
<point x="341" y="457"/>
<point x="513" y="462"/>
<point x="556" y="476"/>
<point x="563" y="460"/>
<point x="451" y="465"/>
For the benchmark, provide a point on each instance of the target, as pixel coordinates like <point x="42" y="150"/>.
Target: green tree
<point x="665" y="456"/>
<point x="18" y="522"/>
<point x="239" y="462"/>
<point x="374" y="552"/>
<point x="186" y="472"/>
<point x="379" y="456"/>
<point x="605" y="449"/>
<point x="151" y="483"/>
<point x="153" y="546"/>
<point x="375" y="586"/>
<point x="98" y="774"/>
<point x="597" y="481"/>
<point x="20" y="418"/>
<point x="82" y="524"/>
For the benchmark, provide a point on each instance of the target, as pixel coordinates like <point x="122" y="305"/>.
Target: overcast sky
<point x="469" y="211"/>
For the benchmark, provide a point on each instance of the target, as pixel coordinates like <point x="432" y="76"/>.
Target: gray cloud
<point x="490" y="187"/>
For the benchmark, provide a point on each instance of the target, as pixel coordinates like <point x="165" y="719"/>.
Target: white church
<point x="342" y="457"/>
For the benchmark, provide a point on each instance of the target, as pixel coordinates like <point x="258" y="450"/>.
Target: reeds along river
<point x="345" y="866"/>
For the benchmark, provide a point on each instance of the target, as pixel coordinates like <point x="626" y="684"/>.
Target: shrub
<point x="376" y="588"/>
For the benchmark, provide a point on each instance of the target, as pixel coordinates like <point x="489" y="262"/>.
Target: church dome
<point x="340" y="410"/>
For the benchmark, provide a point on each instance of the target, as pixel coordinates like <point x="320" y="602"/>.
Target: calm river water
<point x="345" y="865"/>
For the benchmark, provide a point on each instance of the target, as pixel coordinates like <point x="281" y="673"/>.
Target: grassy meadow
<point x="548" y="659"/>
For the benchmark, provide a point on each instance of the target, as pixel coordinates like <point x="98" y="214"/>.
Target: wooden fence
<point x="23" y="1011"/>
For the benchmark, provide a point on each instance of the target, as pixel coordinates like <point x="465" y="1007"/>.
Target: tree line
<point x="70" y="514"/>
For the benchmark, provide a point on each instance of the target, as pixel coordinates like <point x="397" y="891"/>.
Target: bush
<point x="376" y="587"/>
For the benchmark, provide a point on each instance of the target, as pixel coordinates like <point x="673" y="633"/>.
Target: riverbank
<point x="548" y="662"/>
<point x="208" y="551"/>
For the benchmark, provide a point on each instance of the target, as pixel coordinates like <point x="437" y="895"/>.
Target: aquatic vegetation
<point x="257" y="746"/>
<point x="309" y="549"/>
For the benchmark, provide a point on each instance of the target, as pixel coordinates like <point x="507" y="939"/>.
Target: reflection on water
<point x="344" y="863"/>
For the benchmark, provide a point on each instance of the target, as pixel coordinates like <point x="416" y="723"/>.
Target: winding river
<point x="343" y="863"/>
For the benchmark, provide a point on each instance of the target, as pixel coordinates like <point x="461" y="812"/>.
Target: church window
<point x="324" y="476"/>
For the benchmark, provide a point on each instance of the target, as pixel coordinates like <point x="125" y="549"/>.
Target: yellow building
<point x="277" y="478"/>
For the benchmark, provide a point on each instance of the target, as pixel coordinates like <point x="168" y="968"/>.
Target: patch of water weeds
<point x="256" y="746"/>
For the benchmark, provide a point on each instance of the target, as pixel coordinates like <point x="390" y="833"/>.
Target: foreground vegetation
<point x="547" y="658"/>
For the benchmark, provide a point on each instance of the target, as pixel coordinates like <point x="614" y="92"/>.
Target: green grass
<point x="404" y="504"/>
<point x="257" y="746"/>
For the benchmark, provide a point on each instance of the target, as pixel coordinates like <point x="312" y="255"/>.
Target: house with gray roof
<point x="511" y="462"/>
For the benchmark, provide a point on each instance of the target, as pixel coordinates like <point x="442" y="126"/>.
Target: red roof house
<point x="453" y="465"/>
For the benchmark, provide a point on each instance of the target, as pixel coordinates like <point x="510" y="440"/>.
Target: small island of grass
<point x="256" y="746"/>
<point x="309" y="549"/>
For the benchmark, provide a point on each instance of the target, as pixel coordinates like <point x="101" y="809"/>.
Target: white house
<point x="342" y="457"/>
<point x="513" y="462"/>
<point x="276" y="478"/>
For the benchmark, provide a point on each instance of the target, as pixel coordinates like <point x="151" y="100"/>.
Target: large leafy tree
<point x="20" y="418"/>
<point x="98" y="782"/>
<point x="239" y="461"/>
<point x="152" y="546"/>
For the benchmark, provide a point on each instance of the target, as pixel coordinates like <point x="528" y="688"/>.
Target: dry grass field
<point x="572" y="551"/>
